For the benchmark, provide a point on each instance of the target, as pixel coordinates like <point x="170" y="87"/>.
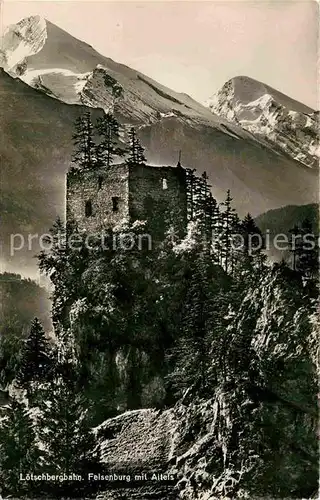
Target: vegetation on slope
<point x="223" y="344"/>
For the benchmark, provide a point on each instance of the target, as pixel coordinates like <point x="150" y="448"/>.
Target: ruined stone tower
<point x="101" y="199"/>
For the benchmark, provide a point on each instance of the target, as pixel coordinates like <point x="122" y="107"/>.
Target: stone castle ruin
<point x="104" y="198"/>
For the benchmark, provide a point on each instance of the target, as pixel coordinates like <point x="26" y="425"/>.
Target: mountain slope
<point x="35" y="153"/>
<point x="20" y="301"/>
<point x="281" y="220"/>
<point x="256" y="107"/>
<point x="48" y="58"/>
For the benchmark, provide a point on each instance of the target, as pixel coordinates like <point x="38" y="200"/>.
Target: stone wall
<point x="158" y="194"/>
<point x="140" y="192"/>
<point x="98" y="187"/>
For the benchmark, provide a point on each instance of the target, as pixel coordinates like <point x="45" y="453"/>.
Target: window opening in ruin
<point x="88" y="208"/>
<point x="115" y="203"/>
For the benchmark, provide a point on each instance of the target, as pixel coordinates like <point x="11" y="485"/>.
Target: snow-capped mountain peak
<point x="49" y="59"/>
<point x="20" y="41"/>
<point x="287" y="124"/>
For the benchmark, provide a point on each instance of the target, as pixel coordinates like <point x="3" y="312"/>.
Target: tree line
<point x="89" y="154"/>
<point x="45" y="429"/>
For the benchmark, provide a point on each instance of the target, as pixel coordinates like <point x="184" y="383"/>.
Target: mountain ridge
<point x="285" y="123"/>
<point x="81" y="63"/>
<point x="282" y="97"/>
<point x="280" y="220"/>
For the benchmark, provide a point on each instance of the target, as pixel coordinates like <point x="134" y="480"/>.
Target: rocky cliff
<point x="256" y="437"/>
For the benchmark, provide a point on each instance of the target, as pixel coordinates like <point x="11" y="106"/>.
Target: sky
<point x="196" y="46"/>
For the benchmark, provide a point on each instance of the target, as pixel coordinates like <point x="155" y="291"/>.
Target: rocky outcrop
<point x="290" y="126"/>
<point x="136" y="439"/>
<point x="134" y="449"/>
<point x="256" y="436"/>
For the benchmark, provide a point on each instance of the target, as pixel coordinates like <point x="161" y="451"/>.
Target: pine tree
<point x="202" y="208"/>
<point x="63" y="423"/>
<point x="212" y="208"/>
<point x="64" y="428"/>
<point x="133" y="146"/>
<point x="308" y="252"/>
<point x="141" y="159"/>
<point x="295" y="242"/>
<point x="190" y="183"/>
<point x="235" y="247"/>
<point x="252" y="244"/>
<point x="84" y="155"/>
<point x="136" y="150"/>
<point x="10" y="357"/>
<point x="19" y="453"/>
<point x="217" y="233"/>
<point x="229" y="223"/>
<point x="109" y="147"/>
<point x="190" y="353"/>
<point x="36" y="361"/>
<point x="206" y="202"/>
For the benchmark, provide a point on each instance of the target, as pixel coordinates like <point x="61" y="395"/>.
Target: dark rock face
<point x="256" y="437"/>
<point x="4" y="398"/>
<point x="136" y="379"/>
